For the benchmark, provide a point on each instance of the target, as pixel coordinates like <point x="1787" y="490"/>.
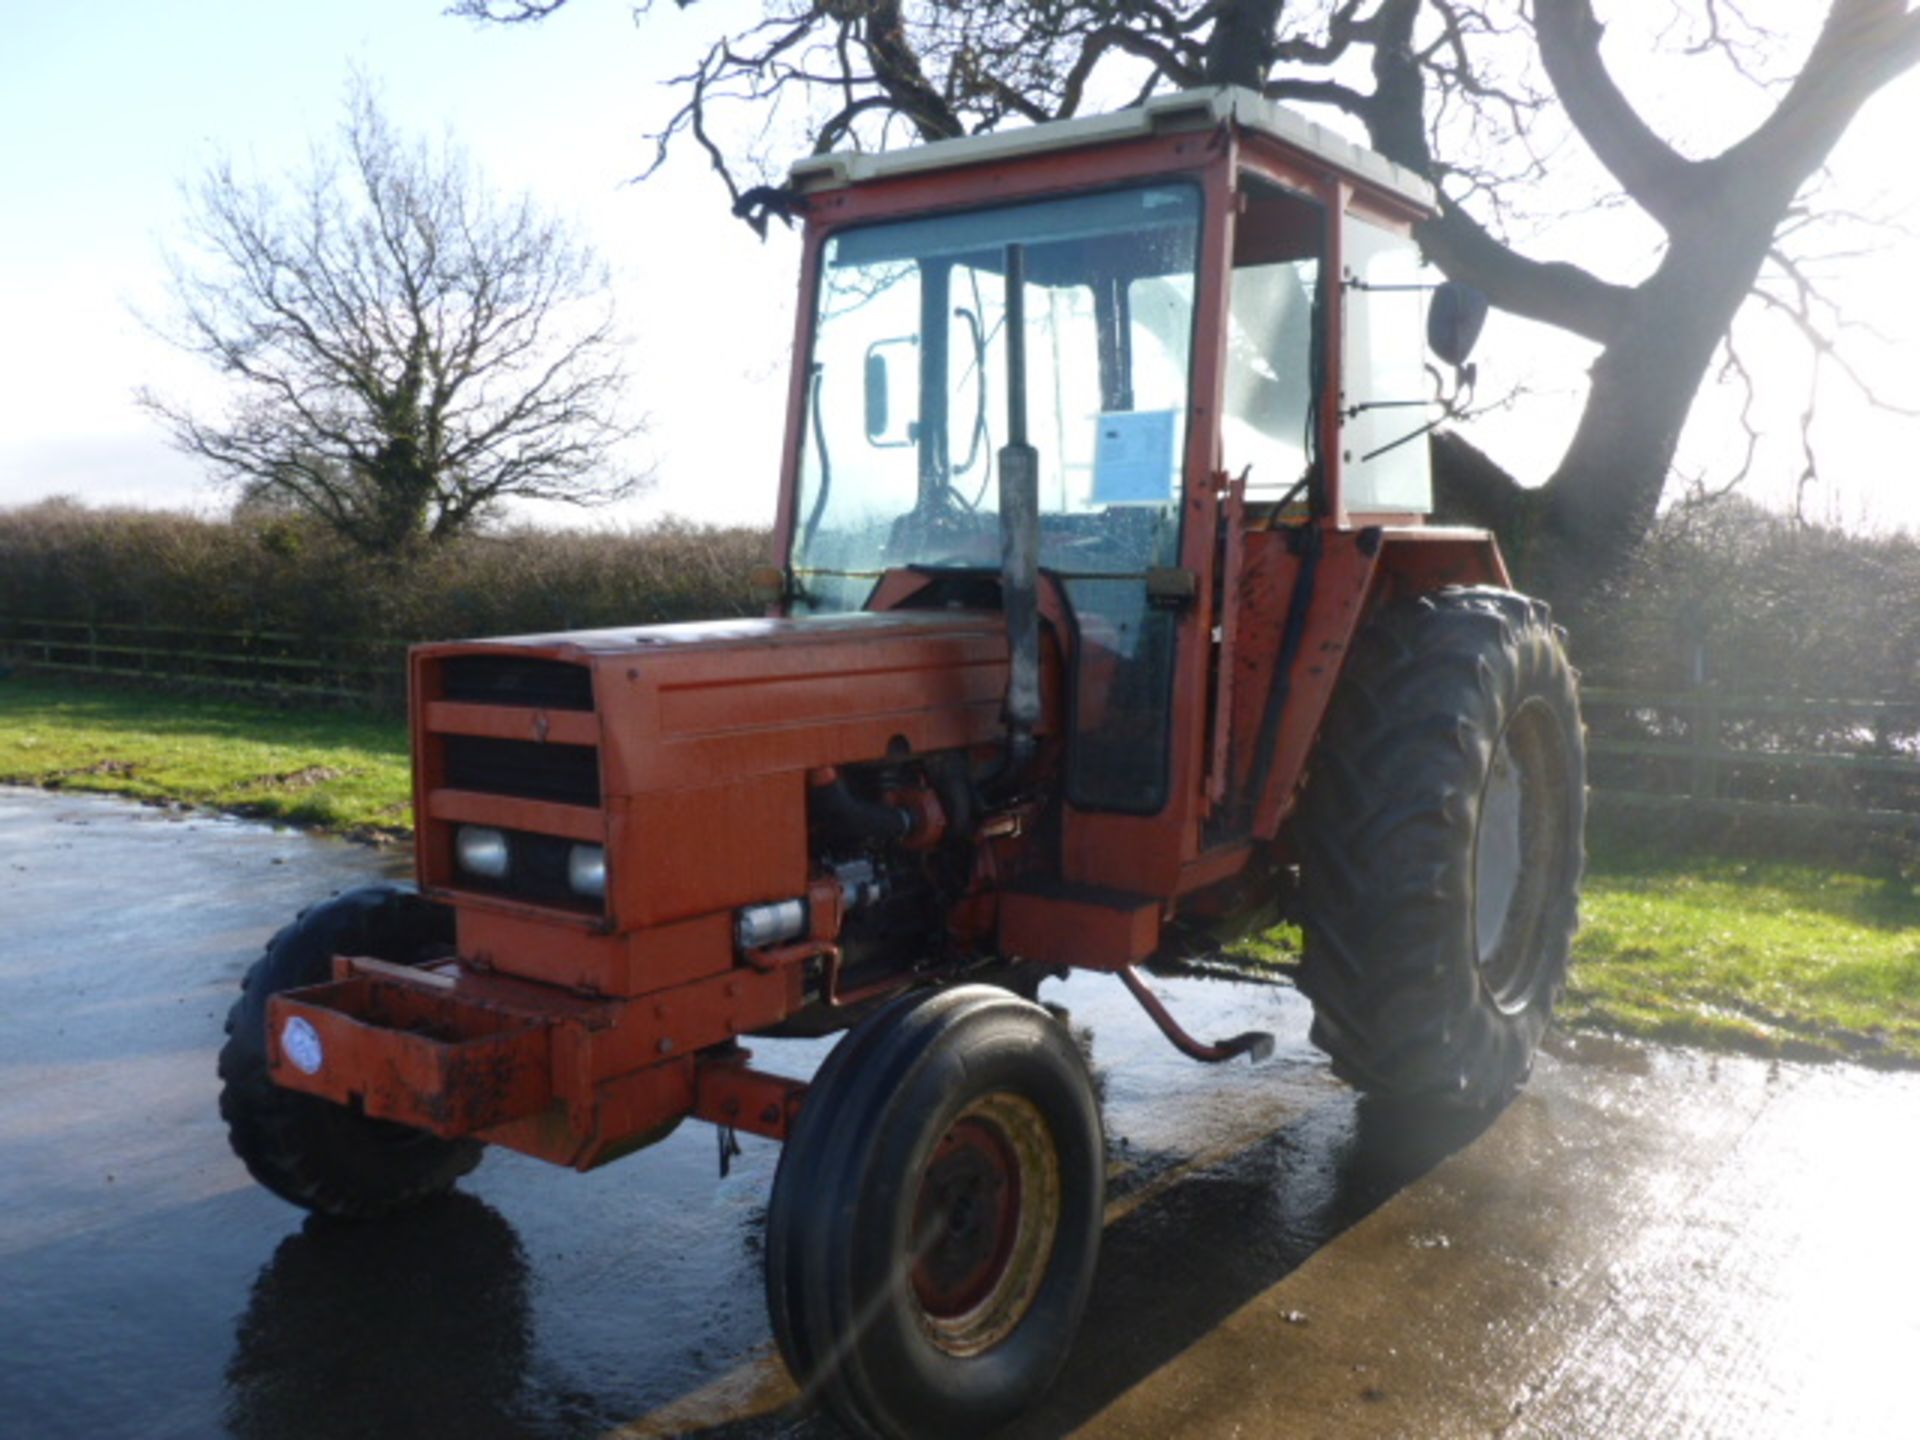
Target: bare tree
<point x="406" y="352"/>
<point x="1458" y="90"/>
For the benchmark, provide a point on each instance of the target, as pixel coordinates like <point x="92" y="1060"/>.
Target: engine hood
<point x="717" y="702"/>
<point x="685" y="748"/>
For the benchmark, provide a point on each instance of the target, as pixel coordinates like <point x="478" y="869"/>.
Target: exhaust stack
<point x="1019" y="538"/>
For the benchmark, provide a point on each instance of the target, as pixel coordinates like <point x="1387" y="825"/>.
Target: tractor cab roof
<point x="1189" y="110"/>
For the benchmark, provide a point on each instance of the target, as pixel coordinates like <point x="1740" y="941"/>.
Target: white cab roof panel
<point x="1189" y="110"/>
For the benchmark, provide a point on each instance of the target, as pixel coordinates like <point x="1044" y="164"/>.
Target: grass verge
<point x="1768" y="958"/>
<point x="1772" y="958"/>
<point x="333" y="770"/>
<point x="1795" y="961"/>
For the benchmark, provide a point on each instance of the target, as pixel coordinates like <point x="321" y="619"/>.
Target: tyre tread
<point x="1384" y="832"/>
<point x="301" y="1147"/>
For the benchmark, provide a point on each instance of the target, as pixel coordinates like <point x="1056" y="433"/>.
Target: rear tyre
<point x="936" y="1216"/>
<point x="1440" y="846"/>
<point x="319" y="1155"/>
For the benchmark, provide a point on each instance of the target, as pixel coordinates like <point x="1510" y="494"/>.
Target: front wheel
<point x="936" y="1216"/>
<point x="308" y="1150"/>
<point x="1440" y="841"/>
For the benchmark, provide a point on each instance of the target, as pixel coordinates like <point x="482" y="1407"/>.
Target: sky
<point x="108" y="108"/>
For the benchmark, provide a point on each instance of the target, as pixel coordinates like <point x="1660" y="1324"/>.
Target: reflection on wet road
<point x="1645" y="1244"/>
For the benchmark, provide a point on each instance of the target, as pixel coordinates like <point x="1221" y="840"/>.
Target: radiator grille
<point x="567" y="774"/>
<point x="516" y="680"/>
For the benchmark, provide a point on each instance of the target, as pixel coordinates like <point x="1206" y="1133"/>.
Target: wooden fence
<point x="1713" y="751"/>
<point x="258" y="661"/>
<point x="1708" y="750"/>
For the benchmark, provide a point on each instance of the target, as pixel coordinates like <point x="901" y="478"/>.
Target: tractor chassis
<point x="572" y="1079"/>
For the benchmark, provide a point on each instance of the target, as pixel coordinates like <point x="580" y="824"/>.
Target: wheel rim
<point x="1519" y="845"/>
<point x="1496" y="850"/>
<point x="984" y="1223"/>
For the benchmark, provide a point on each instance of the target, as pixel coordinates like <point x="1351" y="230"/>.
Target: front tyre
<point x="936" y="1216"/>
<point x="307" y="1150"/>
<point x="1440" y="841"/>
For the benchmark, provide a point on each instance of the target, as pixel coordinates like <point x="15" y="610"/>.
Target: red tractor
<point x="1103" y="619"/>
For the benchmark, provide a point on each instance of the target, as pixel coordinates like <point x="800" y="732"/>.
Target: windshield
<point x="907" y="403"/>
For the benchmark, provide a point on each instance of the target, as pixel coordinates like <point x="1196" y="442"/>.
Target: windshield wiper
<point x="820" y="448"/>
<point x="978" y="439"/>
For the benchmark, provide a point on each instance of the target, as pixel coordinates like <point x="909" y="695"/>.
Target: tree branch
<point x="1556" y="293"/>
<point x="1863" y="45"/>
<point x="1658" y="178"/>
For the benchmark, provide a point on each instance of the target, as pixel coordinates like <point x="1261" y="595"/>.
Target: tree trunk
<point x="1240" y="46"/>
<point x="1566" y="539"/>
<point x="1658" y="337"/>
<point x="1601" y="499"/>
<point x="402" y="497"/>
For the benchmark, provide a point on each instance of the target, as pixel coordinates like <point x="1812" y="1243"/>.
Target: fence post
<point x="1704" y="731"/>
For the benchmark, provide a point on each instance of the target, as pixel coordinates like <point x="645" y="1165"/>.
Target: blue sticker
<point x="300" y="1043"/>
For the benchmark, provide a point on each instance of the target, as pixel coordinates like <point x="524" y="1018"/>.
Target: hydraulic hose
<point x="834" y="807"/>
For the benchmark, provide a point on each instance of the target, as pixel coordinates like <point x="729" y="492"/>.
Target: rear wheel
<point x="307" y="1150"/>
<point x="937" y="1214"/>
<point x="1440" y="846"/>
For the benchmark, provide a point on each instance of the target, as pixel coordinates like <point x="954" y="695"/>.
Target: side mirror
<point x="876" y="378"/>
<point x="1454" y="319"/>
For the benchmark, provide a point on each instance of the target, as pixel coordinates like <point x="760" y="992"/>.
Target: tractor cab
<point x="1194" y="284"/>
<point x="1198" y="319"/>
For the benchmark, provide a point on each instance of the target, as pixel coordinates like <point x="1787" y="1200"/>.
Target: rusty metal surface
<point x="418" y="1054"/>
<point x="1646" y="1244"/>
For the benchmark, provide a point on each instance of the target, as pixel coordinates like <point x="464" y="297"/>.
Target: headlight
<point x="482" y="851"/>
<point x="587" y="871"/>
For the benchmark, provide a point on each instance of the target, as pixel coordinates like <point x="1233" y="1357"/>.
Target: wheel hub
<point x="984" y="1223"/>
<point x="1497" y="851"/>
<point x="1519" y="847"/>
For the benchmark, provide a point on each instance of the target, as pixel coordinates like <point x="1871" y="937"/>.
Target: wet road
<point x="1644" y="1244"/>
